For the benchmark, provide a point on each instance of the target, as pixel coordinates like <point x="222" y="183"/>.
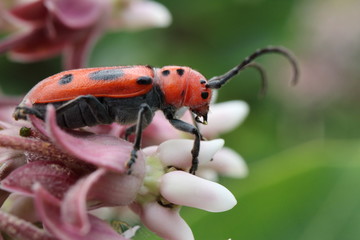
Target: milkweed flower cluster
<point x="55" y="182"/>
<point x="60" y="176"/>
<point x="45" y="28"/>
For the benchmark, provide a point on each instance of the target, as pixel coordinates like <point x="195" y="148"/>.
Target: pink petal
<point x="37" y="150"/>
<point x="55" y="177"/>
<point x="7" y="121"/>
<point x="79" y="13"/>
<point x="19" y="229"/>
<point x="104" y="151"/>
<point x="177" y="152"/>
<point x="9" y="101"/>
<point x="114" y="189"/>
<point x="105" y="188"/>
<point x="185" y="189"/>
<point x="9" y="129"/>
<point x="113" y="129"/>
<point x="38" y="46"/>
<point x="5" y="169"/>
<point x="159" y="131"/>
<point x="33" y="12"/>
<point x="10" y="165"/>
<point x="76" y="53"/>
<point x="74" y="209"/>
<point x="16" y="40"/>
<point x="49" y="210"/>
<point x="39" y="125"/>
<point x="233" y="111"/>
<point x="165" y="222"/>
<point x="6" y="125"/>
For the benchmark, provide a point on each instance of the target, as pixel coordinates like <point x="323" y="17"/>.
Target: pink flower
<point x="66" y="175"/>
<point x="50" y="27"/>
<point x="61" y="176"/>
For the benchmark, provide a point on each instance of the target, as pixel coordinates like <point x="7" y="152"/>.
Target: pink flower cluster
<point x="57" y="177"/>
<point x="45" y="28"/>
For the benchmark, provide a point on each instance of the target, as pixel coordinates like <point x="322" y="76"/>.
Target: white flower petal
<point x="224" y="117"/>
<point x="165" y="222"/>
<point x="151" y="150"/>
<point x="130" y="232"/>
<point x="208" y="174"/>
<point x="229" y="163"/>
<point x="214" y="96"/>
<point x="185" y="189"/>
<point x="177" y="152"/>
<point x="145" y="14"/>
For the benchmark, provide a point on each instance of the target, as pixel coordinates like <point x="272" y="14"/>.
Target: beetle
<point x="131" y="95"/>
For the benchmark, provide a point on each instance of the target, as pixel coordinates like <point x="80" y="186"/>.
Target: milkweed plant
<point x="67" y="184"/>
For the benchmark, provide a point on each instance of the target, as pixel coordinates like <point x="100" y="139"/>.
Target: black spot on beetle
<point x="165" y="72"/>
<point x="67" y="78"/>
<point x="204" y="95"/>
<point x="202" y="81"/>
<point x="106" y="74"/>
<point x="180" y="71"/>
<point x="144" y="80"/>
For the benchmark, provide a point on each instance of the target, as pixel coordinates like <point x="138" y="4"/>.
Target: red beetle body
<point x="176" y="86"/>
<point x="131" y="95"/>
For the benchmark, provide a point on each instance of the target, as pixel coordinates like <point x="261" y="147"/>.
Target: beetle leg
<point x="186" y="127"/>
<point x="145" y="116"/>
<point x="92" y="111"/>
<point x="22" y="111"/>
<point x="129" y="131"/>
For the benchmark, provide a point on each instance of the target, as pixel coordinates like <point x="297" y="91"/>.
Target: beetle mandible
<point x="131" y="95"/>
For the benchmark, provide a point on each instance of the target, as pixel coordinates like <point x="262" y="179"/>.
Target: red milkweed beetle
<point x="131" y="95"/>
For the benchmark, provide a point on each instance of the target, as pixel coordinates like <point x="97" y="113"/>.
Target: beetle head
<point x="185" y="87"/>
<point x="198" y="96"/>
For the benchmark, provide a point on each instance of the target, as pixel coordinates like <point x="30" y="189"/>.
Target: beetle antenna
<point x="264" y="80"/>
<point x="218" y="81"/>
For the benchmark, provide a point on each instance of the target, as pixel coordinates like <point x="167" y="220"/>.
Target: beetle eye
<point x="204" y="95"/>
<point x="180" y="71"/>
<point x="165" y="72"/>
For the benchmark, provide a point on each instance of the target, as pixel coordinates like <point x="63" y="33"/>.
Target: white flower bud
<point x="224" y="117"/>
<point x="177" y="152"/>
<point x="185" y="189"/>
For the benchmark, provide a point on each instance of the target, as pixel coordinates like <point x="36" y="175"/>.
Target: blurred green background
<point x="301" y="143"/>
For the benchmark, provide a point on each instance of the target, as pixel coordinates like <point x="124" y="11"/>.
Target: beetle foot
<point x="194" y="166"/>
<point x="133" y="157"/>
<point x="22" y="112"/>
